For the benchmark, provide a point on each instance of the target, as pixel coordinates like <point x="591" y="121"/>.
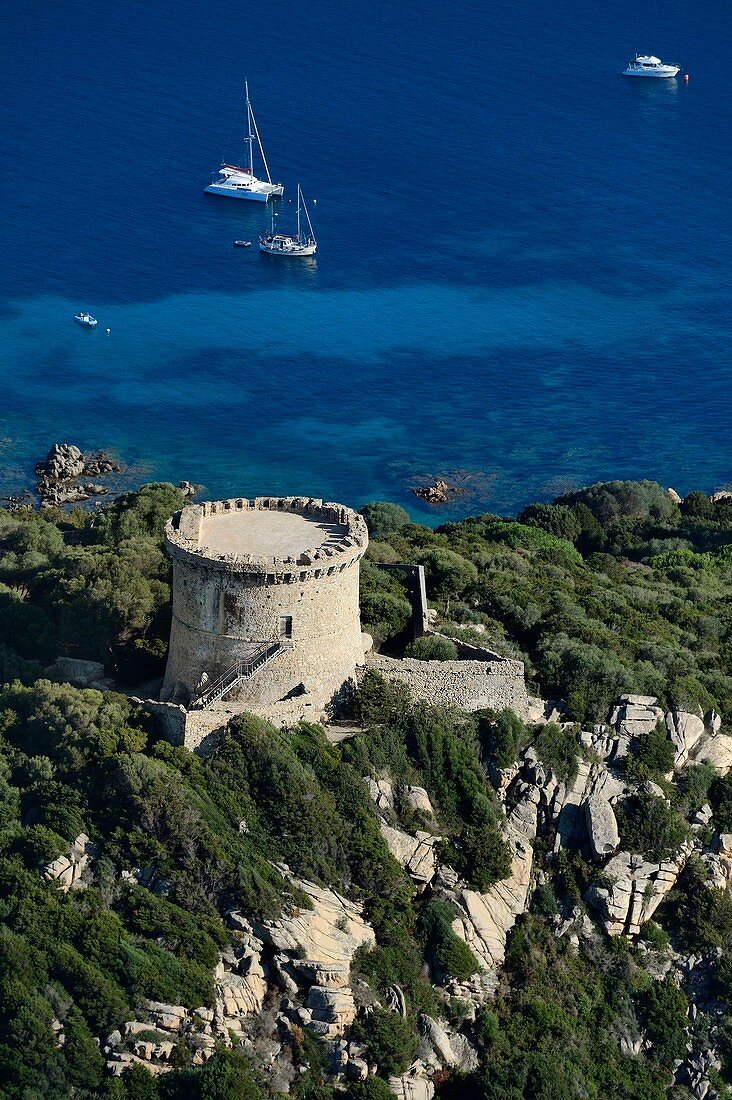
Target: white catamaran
<point x="284" y="244"/>
<point x="235" y="181"/>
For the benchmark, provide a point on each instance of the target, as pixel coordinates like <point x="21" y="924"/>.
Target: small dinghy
<point x="242" y="244"/>
<point x="86" y="320"/>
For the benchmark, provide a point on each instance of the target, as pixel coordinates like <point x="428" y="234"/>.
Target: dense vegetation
<point x="608" y="589"/>
<point x="78" y="761"/>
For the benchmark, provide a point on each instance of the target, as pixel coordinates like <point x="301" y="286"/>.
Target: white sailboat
<point x="285" y="244"/>
<point x="236" y="181"/>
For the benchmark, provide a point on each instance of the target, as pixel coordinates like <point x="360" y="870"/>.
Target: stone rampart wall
<point x="469" y="685"/>
<point x="467" y="652"/>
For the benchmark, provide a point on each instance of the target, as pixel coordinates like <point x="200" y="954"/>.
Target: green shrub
<point x="720" y="797"/>
<point x="649" y="826"/>
<point x="452" y="956"/>
<point x="384" y="519"/>
<point x="651" y="755"/>
<point x="373" y="1088"/>
<point x="544" y="901"/>
<point x="448" y="575"/>
<point x="693" y="787"/>
<point x="664" y="1007"/>
<point x="431" y="648"/>
<point x="557" y="749"/>
<point x="391" y="1040"/>
<point x="699" y="915"/>
<point x="698" y="505"/>
<point x="501" y="735"/>
<point x="652" y="934"/>
<point x="556" y="519"/>
<point x="385" y="609"/>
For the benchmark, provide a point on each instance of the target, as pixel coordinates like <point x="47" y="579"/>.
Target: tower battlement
<point x="298" y="537"/>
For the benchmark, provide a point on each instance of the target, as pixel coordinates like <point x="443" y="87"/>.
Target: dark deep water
<point x="523" y="266"/>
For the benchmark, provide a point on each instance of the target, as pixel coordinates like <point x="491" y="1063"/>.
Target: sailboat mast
<point x="250" y="135"/>
<point x="299" y="196"/>
<point x="259" y="142"/>
<point x="307" y="215"/>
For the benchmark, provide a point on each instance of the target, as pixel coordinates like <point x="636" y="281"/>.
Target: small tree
<point x="501" y="735"/>
<point x="373" y="1088"/>
<point x="384" y="519"/>
<point x="391" y="1040"/>
<point x="448" y="574"/>
<point x="557" y="749"/>
<point x="649" y="826"/>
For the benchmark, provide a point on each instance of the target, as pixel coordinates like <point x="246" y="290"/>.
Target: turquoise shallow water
<point x="524" y="262"/>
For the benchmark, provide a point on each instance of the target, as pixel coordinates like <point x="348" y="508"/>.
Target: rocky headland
<point x="433" y="897"/>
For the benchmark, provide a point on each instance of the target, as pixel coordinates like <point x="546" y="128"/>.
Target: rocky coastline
<point x="69" y="476"/>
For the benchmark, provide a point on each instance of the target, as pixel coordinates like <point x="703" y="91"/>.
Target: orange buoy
<point x="686" y="78"/>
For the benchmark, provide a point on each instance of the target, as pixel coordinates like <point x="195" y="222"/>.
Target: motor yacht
<point x="648" y="65"/>
<point x="86" y="320"/>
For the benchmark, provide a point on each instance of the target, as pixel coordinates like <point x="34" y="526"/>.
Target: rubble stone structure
<point x="265" y="604"/>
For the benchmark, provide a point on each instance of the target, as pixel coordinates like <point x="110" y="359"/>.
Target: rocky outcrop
<point x="331" y="1006"/>
<point x="314" y="948"/>
<point x="719" y="862"/>
<point x="567" y="805"/>
<point x="381" y="793"/>
<point x="152" y="1041"/>
<point x="440" y="1046"/>
<point x="330" y="932"/>
<point x="63" y="462"/>
<point x="68" y="872"/>
<point x="685" y="730"/>
<point x="437" y="492"/>
<point x="635" y="888"/>
<point x="635" y="715"/>
<point x="412" y="1087"/>
<point x="716" y="751"/>
<point x="602" y="826"/>
<point x="419" y="800"/>
<point x="484" y="920"/>
<point x="60" y="472"/>
<point x="415" y="854"/>
<point x="241" y="987"/>
<point x="695" y="1072"/>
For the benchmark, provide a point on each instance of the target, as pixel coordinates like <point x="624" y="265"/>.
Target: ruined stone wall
<point x="469" y="685"/>
<point x="227" y="608"/>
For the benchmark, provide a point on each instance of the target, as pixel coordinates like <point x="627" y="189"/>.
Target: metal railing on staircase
<point x="237" y="673"/>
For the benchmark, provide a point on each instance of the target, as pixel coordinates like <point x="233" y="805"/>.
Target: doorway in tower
<point x="285" y="626"/>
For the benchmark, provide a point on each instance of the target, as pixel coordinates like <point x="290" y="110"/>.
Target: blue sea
<point x="523" y="275"/>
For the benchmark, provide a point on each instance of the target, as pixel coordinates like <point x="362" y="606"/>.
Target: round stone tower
<point x="265" y="604"/>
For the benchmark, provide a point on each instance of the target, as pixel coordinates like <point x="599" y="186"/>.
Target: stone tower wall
<point x="227" y="607"/>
